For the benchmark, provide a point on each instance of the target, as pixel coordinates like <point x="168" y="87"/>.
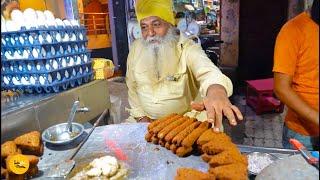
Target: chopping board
<point x="294" y="168"/>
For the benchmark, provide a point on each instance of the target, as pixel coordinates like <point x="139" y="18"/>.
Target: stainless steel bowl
<point x="52" y="134"/>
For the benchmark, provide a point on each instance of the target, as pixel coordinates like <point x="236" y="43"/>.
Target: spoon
<point x="67" y="134"/>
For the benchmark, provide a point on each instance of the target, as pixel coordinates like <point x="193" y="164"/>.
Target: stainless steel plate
<point x="53" y="133"/>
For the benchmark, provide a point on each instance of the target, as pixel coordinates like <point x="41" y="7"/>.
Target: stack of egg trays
<point x="61" y="64"/>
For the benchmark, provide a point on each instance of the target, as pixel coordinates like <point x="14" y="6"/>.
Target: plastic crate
<point x="260" y="96"/>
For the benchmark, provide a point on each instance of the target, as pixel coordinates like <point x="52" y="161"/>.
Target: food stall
<point x="33" y="122"/>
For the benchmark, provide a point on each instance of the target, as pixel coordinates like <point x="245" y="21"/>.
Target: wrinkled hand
<point x="145" y="119"/>
<point x="217" y="104"/>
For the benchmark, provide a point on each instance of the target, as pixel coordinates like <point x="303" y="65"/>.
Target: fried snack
<point x="164" y="123"/>
<point x="182" y="151"/>
<point x="148" y="137"/>
<point x="29" y="143"/>
<point x="192" y="174"/>
<point x="154" y="139"/>
<point x="212" y="147"/>
<point x="167" y="145"/>
<point x="156" y="122"/>
<point x="227" y="157"/>
<point x="206" y="157"/>
<point x="33" y="160"/>
<point x="194" y="135"/>
<point x="4" y="172"/>
<point x="210" y="135"/>
<point x="161" y="142"/>
<point x="178" y="129"/>
<point x="171" y="126"/>
<point x="231" y="171"/>
<point x="12" y="176"/>
<point x="179" y="137"/>
<point x="9" y="148"/>
<point x="173" y="148"/>
<point x="32" y="171"/>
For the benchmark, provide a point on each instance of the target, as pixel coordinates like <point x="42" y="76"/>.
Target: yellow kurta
<point x="185" y="71"/>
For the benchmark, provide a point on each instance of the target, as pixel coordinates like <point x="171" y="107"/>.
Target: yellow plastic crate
<point x="103" y="68"/>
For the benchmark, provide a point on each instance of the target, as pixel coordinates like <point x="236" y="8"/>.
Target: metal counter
<point x="126" y="142"/>
<point x="38" y="112"/>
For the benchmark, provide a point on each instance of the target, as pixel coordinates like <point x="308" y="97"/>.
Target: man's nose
<point x="151" y="32"/>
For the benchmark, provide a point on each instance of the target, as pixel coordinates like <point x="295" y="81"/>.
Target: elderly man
<point x="166" y="71"/>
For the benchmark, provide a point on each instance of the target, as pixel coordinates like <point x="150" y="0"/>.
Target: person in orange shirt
<point x="296" y="77"/>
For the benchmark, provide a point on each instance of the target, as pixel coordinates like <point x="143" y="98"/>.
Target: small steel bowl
<point x="52" y="134"/>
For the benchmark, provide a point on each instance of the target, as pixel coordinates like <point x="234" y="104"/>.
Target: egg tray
<point x="55" y="87"/>
<point x="45" y="51"/>
<point x="14" y="38"/>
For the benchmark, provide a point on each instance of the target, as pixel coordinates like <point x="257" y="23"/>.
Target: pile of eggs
<point x="43" y="53"/>
<point x="31" y="19"/>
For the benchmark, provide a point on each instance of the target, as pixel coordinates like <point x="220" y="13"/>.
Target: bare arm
<point x="282" y="88"/>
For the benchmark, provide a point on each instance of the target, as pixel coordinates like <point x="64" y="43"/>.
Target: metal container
<point x="52" y="134"/>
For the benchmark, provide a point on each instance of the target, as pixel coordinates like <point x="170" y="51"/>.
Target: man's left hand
<point x="218" y="104"/>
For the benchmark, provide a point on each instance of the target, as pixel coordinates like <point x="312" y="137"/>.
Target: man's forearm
<point x="289" y="97"/>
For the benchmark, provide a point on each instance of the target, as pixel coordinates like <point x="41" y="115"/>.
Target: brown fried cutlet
<point x="192" y="174"/>
<point x="206" y="157"/>
<point x="9" y="148"/>
<point x="29" y="142"/>
<point x="194" y="135"/>
<point x="156" y="122"/>
<point x="210" y="135"/>
<point x="170" y="127"/>
<point x="227" y="157"/>
<point x="235" y="171"/>
<point x="215" y="147"/>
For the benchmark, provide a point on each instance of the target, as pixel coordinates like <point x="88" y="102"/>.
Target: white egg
<point x="63" y="62"/>
<point x="66" y="38"/>
<point x="50" y="23"/>
<point x="75" y="23"/>
<point x="55" y="64"/>
<point x="69" y="48"/>
<point x="3" y="25"/>
<point x="49" y="79"/>
<point x="25" y="54"/>
<point x="66" y="74"/>
<point x="73" y="37"/>
<point x="66" y="22"/>
<point x="17" y="16"/>
<point x="58" y="76"/>
<point x="24" y="81"/>
<point x="11" y="68"/>
<point x="71" y="61"/>
<point x="41" y="39"/>
<point x="6" y="80"/>
<point x="30" y="39"/>
<point x="87" y="69"/>
<point x="43" y="52"/>
<point x="30" y="14"/>
<point x="11" y="26"/>
<point x="49" y="16"/>
<point x="58" y="37"/>
<point x="49" y="38"/>
<point x="40" y="16"/>
<point x="15" y="81"/>
<point x="59" y="22"/>
<point x="35" y="53"/>
<point x="42" y="80"/>
<point x="3" y="42"/>
<point x="61" y="50"/>
<point x="20" y="67"/>
<point x="80" y="70"/>
<point x="78" y="58"/>
<point x="48" y="66"/>
<point x="74" y="72"/>
<point x="85" y="58"/>
<point x="8" y="55"/>
<point x="78" y="61"/>
<point x="80" y="36"/>
<point x="41" y="23"/>
<point x="32" y="80"/>
<point x="29" y="67"/>
<point x="16" y="55"/>
<point x="21" y="39"/>
<point x="38" y="66"/>
<point x="53" y="51"/>
<point x="76" y="48"/>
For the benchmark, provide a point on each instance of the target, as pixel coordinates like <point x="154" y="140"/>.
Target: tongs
<point x="305" y="153"/>
<point x="62" y="169"/>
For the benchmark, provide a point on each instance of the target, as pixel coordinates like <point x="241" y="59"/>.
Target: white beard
<point x="163" y="54"/>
